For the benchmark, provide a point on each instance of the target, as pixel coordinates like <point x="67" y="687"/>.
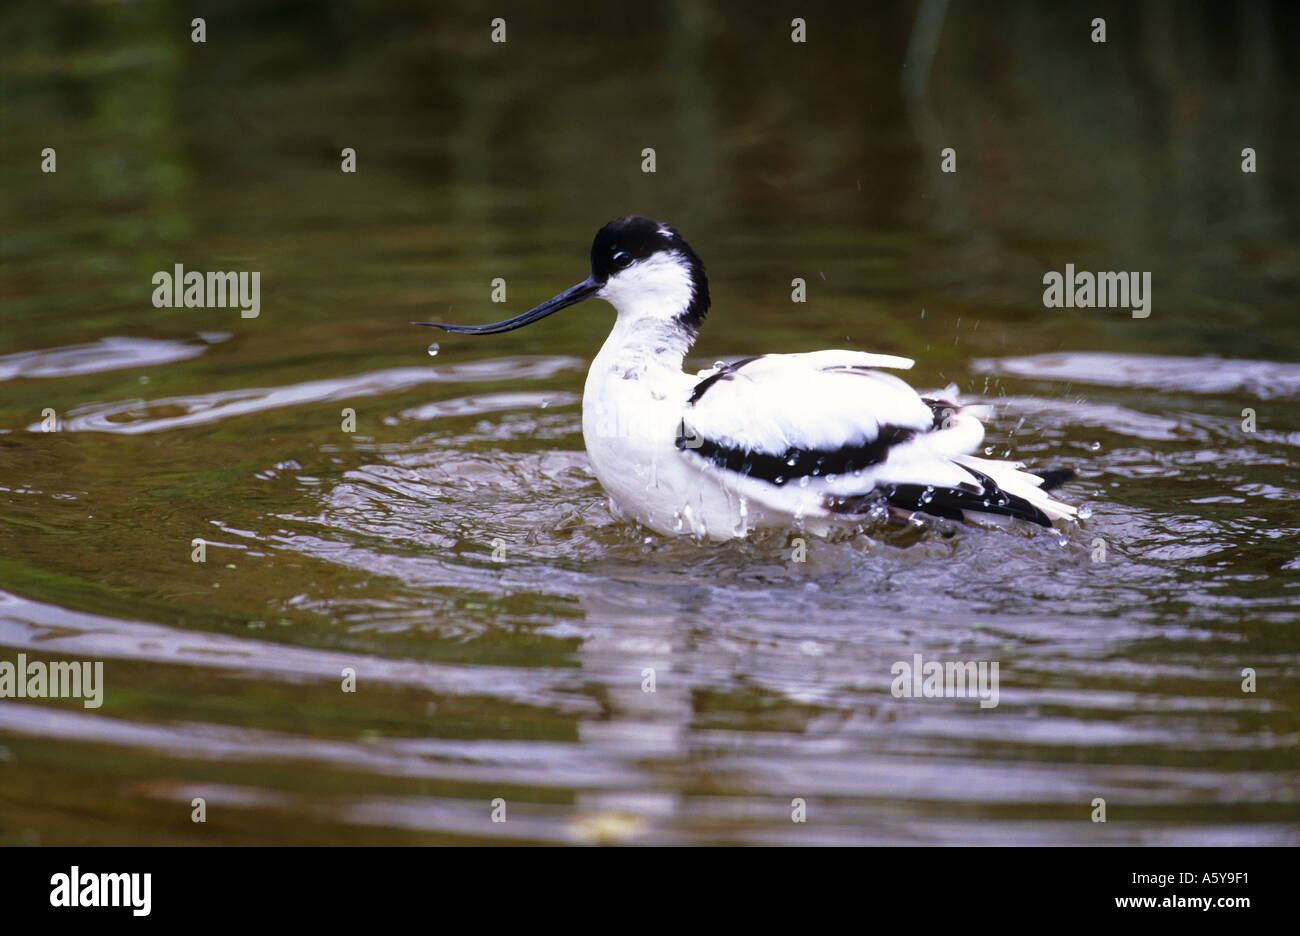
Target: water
<point x="455" y="552"/>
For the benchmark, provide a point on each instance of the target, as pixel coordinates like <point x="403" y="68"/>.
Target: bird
<point x="818" y="441"/>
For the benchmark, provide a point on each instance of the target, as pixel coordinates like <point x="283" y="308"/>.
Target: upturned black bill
<point x="574" y="294"/>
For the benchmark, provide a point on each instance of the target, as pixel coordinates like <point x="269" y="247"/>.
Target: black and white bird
<point x="817" y="440"/>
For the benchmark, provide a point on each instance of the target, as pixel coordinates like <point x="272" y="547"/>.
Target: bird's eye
<point x="620" y="259"/>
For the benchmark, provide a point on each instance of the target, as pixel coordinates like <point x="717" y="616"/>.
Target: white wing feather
<point x="823" y="400"/>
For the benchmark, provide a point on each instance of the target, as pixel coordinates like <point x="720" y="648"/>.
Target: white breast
<point x="631" y="408"/>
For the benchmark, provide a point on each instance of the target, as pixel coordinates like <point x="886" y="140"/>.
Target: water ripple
<point x="104" y="355"/>
<point x="1263" y="379"/>
<point x="140" y="416"/>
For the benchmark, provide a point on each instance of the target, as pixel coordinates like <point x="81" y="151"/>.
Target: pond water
<point x="455" y="552"/>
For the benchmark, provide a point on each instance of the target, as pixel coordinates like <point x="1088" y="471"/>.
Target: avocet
<point x="816" y="441"/>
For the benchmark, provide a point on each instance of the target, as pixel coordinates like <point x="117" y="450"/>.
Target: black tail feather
<point x="948" y="502"/>
<point x="1054" y="477"/>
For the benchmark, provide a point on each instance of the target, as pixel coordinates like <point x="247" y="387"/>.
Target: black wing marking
<point x="795" y="462"/>
<point x="946" y="502"/>
<point x="942" y="410"/>
<point x="723" y="373"/>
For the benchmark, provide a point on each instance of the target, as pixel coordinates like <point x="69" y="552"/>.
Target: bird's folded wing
<point x="823" y="401"/>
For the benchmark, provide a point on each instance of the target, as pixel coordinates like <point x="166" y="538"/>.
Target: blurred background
<point x="523" y="678"/>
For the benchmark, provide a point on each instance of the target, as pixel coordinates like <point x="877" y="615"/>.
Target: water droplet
<point x="1085" y="511"/>
<point x="803" y="482"/>
<point x="719" y="365"/>
<point x="433" y="349"/>
<point x="792" y="460"/>
<point x="1094" y="446"/>
<point x="988" y="450"/>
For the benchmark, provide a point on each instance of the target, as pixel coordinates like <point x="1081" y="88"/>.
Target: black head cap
<point x="626" y="240"/>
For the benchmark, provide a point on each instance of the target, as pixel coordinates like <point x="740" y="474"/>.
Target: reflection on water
<point x="455" y="551"/>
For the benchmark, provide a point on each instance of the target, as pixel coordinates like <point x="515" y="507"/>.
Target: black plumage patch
<point x="795" y="462"/>
<point x="946" y="502"/>
<point x="723" y="373"/>
<point x="624" y="241"/>
<point x="1053" y="478"/>
<point x="942" y="410"/>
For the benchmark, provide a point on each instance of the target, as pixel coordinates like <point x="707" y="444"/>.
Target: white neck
<point x="640" y="344"/>
<point x="650" y="297"/>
